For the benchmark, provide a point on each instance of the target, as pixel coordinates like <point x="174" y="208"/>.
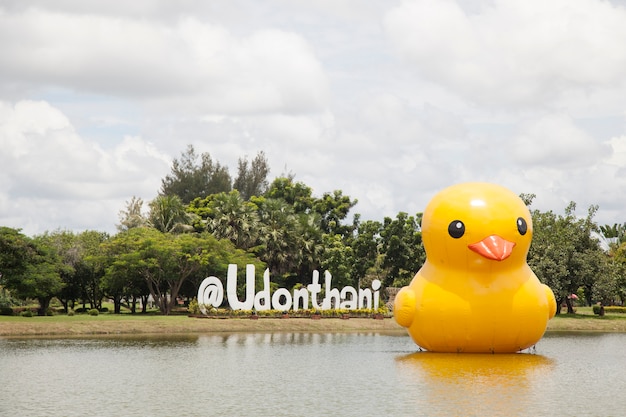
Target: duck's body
<point x="475" y="293"/>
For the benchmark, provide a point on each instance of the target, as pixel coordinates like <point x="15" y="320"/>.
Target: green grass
<point x="108" y="323"/>
<point x="64" y="318"/>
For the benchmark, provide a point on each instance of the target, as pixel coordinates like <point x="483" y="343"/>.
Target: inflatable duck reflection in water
<point x="475" y="292"/>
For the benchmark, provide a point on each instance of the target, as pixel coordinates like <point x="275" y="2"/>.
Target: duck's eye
<point x="522" y="226"/>
<point x="456" y="229"/>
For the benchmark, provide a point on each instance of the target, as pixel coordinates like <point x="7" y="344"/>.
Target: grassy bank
<point x="62" y="325"/>
<point x="588" y="322"/>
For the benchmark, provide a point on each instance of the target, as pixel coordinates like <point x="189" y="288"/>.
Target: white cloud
<point x="555" y="141"/>
<point x="49" y="171"/>
<point x="513" y="52"/>
<point x="618" y="154"/>
<point x="194" y="63"/>
<point x="387" y="101"/>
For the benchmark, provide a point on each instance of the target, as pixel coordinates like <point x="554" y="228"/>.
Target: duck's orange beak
<point x="493" y="247"/>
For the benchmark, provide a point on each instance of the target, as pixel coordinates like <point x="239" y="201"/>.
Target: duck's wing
<point x="404" y="307"/>
<point x="551" y="301"/>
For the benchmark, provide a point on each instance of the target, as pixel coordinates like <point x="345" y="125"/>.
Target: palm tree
<point x="278" y="247"/>
<point x="613" y="235"/>
<point x="234" y="219"/>
<point x="168" y="215"/>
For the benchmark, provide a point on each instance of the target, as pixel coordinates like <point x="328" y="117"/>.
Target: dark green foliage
<point x="333" y="208"/>
<point x="144" y="259"/>
<point x="295" y="194"/>
<point x="564" y="254"/>
<point x="252" y="179"/>
<point x="402" y="249"/>
<point x="29" y="268"/>
<point x="6" y="311"/>
<point x="191" y="179"/>
<point x="198" y="225"/>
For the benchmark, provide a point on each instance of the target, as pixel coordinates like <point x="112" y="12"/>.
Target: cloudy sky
<point x="388" y="101"/>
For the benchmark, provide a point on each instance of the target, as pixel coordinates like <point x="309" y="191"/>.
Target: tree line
<point x="202" y="220"/>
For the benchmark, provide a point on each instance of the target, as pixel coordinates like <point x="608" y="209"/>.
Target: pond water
<point x="302" y="374"/>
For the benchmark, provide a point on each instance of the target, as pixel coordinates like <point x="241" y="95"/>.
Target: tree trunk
<point x="117" y="304"/>
<point x="44" y="303"/>
<point x="144" y="304"/>
<point x="570" y="308"/>
<point x="559" y="303"/>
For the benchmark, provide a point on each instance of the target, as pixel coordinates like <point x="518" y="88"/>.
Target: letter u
<point x="231" y="288"/>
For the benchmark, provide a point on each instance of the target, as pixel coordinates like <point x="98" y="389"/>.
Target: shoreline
<point x="171" y="325"/>
<point x="84" y="325"/>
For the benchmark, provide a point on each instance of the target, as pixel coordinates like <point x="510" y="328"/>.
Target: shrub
<point x="6" y="311"/>
<point x="615" y="309"/>
<point x="93" y="312"/>
<point x="598" y="309"/>
<point x="70" y="312"/>
<point x="193" y="307"/>
<point x="104" y="310"/>
<point x="26" y="313"/>
<point x="49" y="312"/>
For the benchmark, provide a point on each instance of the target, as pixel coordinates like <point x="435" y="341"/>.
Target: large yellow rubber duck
<point x="475" y="292"/>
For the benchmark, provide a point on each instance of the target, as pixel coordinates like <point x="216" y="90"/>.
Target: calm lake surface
<point x="300" y="374"/>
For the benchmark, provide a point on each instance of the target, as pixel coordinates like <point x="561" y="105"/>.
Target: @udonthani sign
<point x="211" y="294"/>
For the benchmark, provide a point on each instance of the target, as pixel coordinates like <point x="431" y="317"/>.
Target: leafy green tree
<point x="296" y="194"/>
<point x="145" y="253"/>
<point x="402" y="248"/>
<point x="65" y="248"/>
<point x="564" y="254"/>
<point x="252" y="178"/>
<point x="123" y="265"/>
<point x="617" y="262"/>
<point x="15" y="253"/>
<point x="333" y="208"/>
<point x="610" y="287"/>
<point x="191" y="178"/>
<point x="164" y="261"/>
<point x="338" y="259"/>
<point x="80" y="275"/>
<point x="366" y="246"/>
<point x="90" y="269"/>
<point x="29" y="268"/>
<point x="292" y="240"/>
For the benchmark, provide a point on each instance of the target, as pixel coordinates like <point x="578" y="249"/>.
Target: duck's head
<point x="476" y="225"/>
